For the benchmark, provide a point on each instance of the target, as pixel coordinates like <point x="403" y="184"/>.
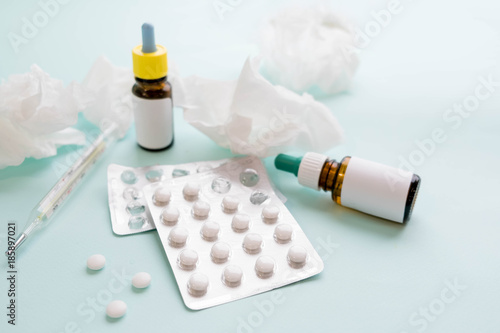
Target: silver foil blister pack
<point x="228" y="235"/>
<point x="127" y="207"/>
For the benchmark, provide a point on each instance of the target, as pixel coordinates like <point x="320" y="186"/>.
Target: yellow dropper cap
<point x="149" y="59"/>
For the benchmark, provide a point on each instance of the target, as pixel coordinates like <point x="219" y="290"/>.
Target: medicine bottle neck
<point x="332" y="177"/>
<point x="147" y="85"/>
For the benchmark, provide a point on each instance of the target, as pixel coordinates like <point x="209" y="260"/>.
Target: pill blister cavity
<point x="191" y="191"/>
<point x="297" y="256"/>
<point x="230" y="204"/>
<point x="128" y="177"/>
<point x="264" y="267"/>
<point x="188" y="259"/>
<point x="131" y="193"/>
<point x="249" y="177"/>
<point x="197" y="284"/>
<point x="204" y="168"/>
<point x="258" y="197"/>
<point x="270" y="214"/>
<point x="136" y="207"/>
<point x="232" y="276"/>
<point x="154" y="175"/>
<point x="178" y="237"/>
<point x="220" y="252"/>
<point x="252" y="243"/>
<point x="200" y="210"/>
<point x="137" y="221"/>
<point x="240" y="223"/>
<point x="162" y="196"/>
<point x="210" y="231"/>
<point x="283" y="233"/>
<point x="221" y="185"/>
<point x="141" y="280"/>
<point x="170" y="216"/>
<point x="179" y="173"/>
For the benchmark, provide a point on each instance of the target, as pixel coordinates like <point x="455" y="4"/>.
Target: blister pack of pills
<point x="127" y="207"/>
<point x="227" y="235"/>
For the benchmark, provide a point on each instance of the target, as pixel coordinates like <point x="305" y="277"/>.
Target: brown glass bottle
<point x="367" y="186"/>
<point x="332" y="175"/>
<point x="158" y="89"/>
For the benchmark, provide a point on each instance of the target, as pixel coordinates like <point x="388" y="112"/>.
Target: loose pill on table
<point x="240" y="222"/>
<point x="188" y="259"/>
<point x="264" y="267"/>
<point x="252" y="243"/>
<point x="230" y="204"/>
<point x="141" y="280"/>
<point x="210" y="231"/>
<point x="191" y="191"/>
<point x="116" y="309"/>
<point x="170" y="216"/>
<point x="178" y="236"/>
<point x="297" y="256"/>
<point x="283" y="233"/>
<point x="270" y="214"/>
<point x="200" y="210"/>
<point x="162" y="196"/>
<point x="220" y="252"/>
<point x="96" y="262"/>
<point x="232" y="276"/>
<point x="198" y="284"/>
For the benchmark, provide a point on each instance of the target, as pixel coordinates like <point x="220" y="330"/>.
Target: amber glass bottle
<point x="363" y="185"/>
<point x="152" y="94"/>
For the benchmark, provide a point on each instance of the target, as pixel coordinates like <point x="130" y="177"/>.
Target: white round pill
<point x="96" y="262"/>
<point x="200" y="210"/>
<point x="240" y="222"/>
<point x="210" y="231"/>
<point x="297" y="256"/>
<point x="197" y="284"/>
<point x="232" y="276"/>
<point x="141" y="280"/>
<point x="188" y="259"/>
<point x="170" y="216"/>
<point x="283" y="233"/>
<point x="264" y="267"/>
<point x="191" y="191"/>
<point x="162" y="196"/>
<point x="220" y="252"/>
<point x="116" y="309"/>
<point x="252" y="243"/>
<point x="230" y="204"/>
<point x="270" y="214"/>
<point x="178" y="236"/>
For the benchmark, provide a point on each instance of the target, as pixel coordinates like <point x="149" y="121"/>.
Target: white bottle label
<point x="376" y="189"/>
<point x="153" y="122"/>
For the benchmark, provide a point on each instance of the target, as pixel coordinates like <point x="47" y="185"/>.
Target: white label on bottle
<point x="376" y="189"/>
<point x="153" y="122"/>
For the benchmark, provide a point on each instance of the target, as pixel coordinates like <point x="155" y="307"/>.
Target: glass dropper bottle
<point x="369" y="187"/>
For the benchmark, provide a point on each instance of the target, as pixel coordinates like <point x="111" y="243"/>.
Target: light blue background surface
<point x="378" y="275"/>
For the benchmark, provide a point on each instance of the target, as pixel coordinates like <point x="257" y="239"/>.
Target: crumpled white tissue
<point x="252" y="116"/>
<point x="109" y="89"/>
<point x="305" y="48"/>
<point x="35" y="114"/>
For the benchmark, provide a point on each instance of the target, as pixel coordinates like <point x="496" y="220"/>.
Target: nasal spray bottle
<point x="152" y="94"/>
<point x="363" y="185"/>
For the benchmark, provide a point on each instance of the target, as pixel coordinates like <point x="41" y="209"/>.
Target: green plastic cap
<point x="288" y="163"/>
